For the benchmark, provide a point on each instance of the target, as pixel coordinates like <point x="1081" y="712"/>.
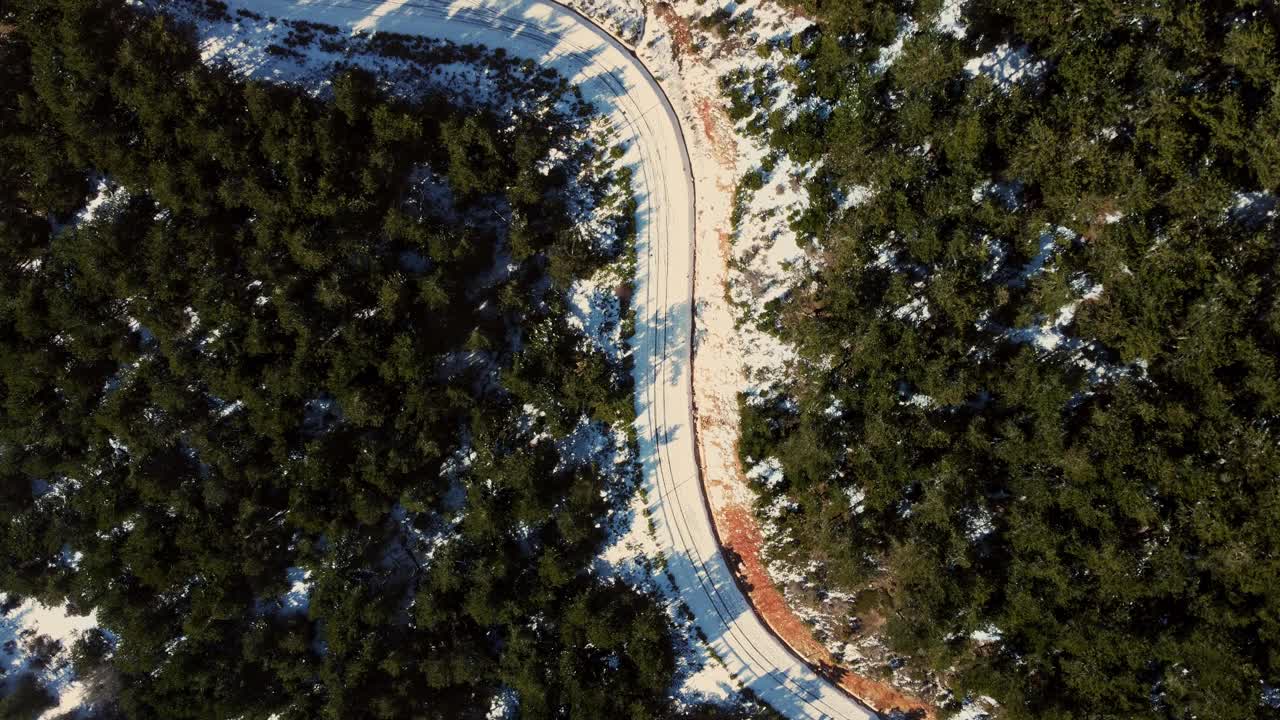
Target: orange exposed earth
<point x="735" y="522"/>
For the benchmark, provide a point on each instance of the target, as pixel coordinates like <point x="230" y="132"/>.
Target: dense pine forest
<point x="269" y="356"/>
<point x="1034" y="422"/>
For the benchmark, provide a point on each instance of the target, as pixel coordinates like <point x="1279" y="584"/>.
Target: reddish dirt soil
<point x="715" y="122"/>
<point x="725" y="239"/>
<point x="741" y="539"/>
<point x="719" y="132"/>
<point x="739" y="532"/>
<point x="681" y="35"/>
<point x="735" y="522"/>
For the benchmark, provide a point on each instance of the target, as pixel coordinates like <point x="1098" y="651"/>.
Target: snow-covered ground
<point x="1006" y="66"/>
<point x="36" y="640"/>
<point x="634" y="555"/>
<point x="748" y="197"/>
<point x="649" y="129"/>
<point x="765" y="256"/>
<point x="624" y="18"/>
<point x="252" y="40"/>
<point x="747" y="253"/>
<point x="647" y="126"/>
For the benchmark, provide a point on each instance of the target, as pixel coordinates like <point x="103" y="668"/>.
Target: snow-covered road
<point x="618" y="84"/>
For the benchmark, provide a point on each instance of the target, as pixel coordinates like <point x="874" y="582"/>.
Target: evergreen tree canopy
<point x="268" y="358"/>
<point x="1038" y="385"/>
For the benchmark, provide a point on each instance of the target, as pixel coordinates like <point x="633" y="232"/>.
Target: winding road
<point x="619" y="85"/>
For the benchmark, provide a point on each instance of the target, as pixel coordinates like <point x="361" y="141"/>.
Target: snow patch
<point x="987" y="635"/>
<point x="1271" y="696"/>
<point x="1006" y="65"/>
<point x="1253" y="208"/>
<point x="588" y="442"/>
<point x="889" y="54"/>
<point x="298" y="599"/>
<point x="780" y="506"/>
<point x="857" y="499"/>
<point x="767" y="472"/>
<point x="980" y="525"/>
<point x="32" y="620"/>
<point x="1008" y="193"/>
<point x="625" y="19"/>
<point x="976" y="709"/>
<point x="914" y="312"/>
<point x="1048" y="245"/>
<point x="504" y="706"/>
<point x="853" y="197"/>
<point x="950" y="20"/>
<point x="595" y="309"/>
<point x="107" y="197"/>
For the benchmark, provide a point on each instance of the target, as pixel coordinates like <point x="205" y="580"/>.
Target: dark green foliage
<point x="26" y="699"/>
<point x="723" y="23"/>
<point x="1120" y="530"/>
<point x="268" y="352"/>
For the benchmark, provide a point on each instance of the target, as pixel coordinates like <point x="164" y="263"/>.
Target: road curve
<point x="618" y="84"/>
